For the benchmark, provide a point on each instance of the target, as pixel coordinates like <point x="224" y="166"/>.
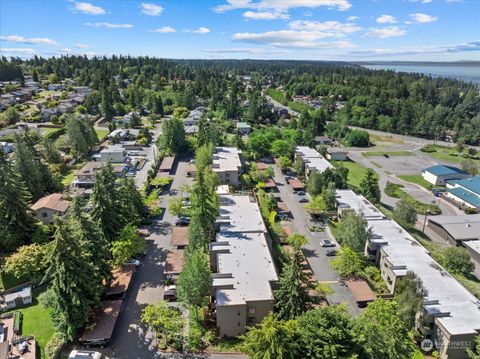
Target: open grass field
<point x="378" y="139"/>
<point x="68" y="178"/>
<point x="101" y="133"/>
<point x="355" y="171"/>
<point x="417" y="179"/>
<point x="448" y="154"/>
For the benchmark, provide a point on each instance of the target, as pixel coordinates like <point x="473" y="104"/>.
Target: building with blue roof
<point x="465" y="192"/>
<point x="439" y="175"/>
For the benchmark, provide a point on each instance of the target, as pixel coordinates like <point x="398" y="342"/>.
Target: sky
<point x="347" y="30"/>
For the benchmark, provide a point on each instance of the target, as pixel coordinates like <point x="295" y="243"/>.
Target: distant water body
<point x="464" y="73"/>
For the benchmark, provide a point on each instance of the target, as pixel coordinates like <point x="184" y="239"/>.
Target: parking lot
<point x="402" y="165"/>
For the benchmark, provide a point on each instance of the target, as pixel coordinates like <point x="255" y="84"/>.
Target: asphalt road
<point x="313" y="251"/>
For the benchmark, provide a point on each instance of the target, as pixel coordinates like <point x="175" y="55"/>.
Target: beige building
<point x="311" y="160"/>
<point x="451" y="311"/>
<point x="47" y="207"/>
<point x="227" y="163"/>
<point x="242" y="265"/>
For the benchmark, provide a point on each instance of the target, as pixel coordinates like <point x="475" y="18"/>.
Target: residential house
<point x="465" y="192"/>
<point x="6" y="147"/>
<point x="242" y="265"/>
<point x="17" y="299"/>
<point x="439" y="175"/>
<point x="84" y="178"/>
<point x="47" y="207"/>
<point x="82" y="90"/>
<point x="191" y="130"/>
<point x="113" y="153"/>
<point x="323" y="140"/>
<point x="337" y="154"/>
<point x="228" y="163"/>
<point x="55" y="87"/>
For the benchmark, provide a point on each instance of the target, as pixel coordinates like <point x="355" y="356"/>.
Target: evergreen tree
<point x="69" y="278"/>
<point x="405" y="214"/>
<point x="292" y="293"/>
<point x="94" y="246"/>
<point x="130" y="202"/>
<point x="16" y="223"/>
<point x="353" y="230"/>
<point x="34" y="172"/>
<point x="35" y="75"/>
<point x="105" y="209"/>
<point x="369" y="187"/>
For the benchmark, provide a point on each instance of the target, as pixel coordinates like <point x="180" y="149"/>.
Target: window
<point x="389" y="280"/>
<point x="44" y="214"/>
<point x="239" y="313"/>
<point x="251" y="310"/>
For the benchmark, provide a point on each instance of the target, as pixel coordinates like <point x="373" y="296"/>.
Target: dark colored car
<point x="303" y="200"/>
<point x="182" y="221"/>
<point x="170" y="293"/>
<point x="331" y="253"/>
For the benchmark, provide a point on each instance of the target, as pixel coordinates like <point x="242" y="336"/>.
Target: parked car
<point x="301" y="193"/>
<point x="331" y="253"/>
<point x="327" y="243"/>
<point x="172" y="192"/>
<point x="437" y="194"/>
<point x="84" y="354"/>
<point x="192" y="162"/>
<point x="136" y="262"/>
<point x="303" y="200"/>
<point x="283" y="216"/>
<point x="170" y="293"/>
<point x="182" y="221"/>
<point x="385" y="155"/>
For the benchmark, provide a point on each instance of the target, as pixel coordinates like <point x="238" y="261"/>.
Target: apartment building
<point x="242" y="265"/>
<point x="311" y="160"/>
<point x="228" y="163"/>
<point x="451" y="311"/>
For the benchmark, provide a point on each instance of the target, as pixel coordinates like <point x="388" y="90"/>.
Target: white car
<point x="135" y="262"/>
<point x="84" y="354"/>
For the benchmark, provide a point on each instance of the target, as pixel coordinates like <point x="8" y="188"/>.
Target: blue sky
<point x="351" y="30"/>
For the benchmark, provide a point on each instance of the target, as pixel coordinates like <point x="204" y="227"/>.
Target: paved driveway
<point x="314" y="253"/>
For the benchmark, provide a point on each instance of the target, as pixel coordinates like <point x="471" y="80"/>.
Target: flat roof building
<point x="243" y="266"/>
<point x="456" y="229"/>
<point x="465" y="192"/>
<point x="452" y="312"/>
<point x="473" y="248"/>
<point x="311" y="160"/>
<point x="227" y="163"/>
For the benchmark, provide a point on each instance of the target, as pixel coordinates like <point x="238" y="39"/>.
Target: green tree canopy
<point x="353" y="230"/>
<point x="369" y="187"/>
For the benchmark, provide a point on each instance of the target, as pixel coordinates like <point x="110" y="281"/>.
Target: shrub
<point x="54" y="345"/>
<point x="428" y="149"/>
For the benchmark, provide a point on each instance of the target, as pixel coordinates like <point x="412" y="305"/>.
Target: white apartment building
<point x="227" y="163"/>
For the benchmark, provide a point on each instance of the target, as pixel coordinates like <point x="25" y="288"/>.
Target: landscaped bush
<point x="428" y="149"/>
<point x="54" y="345"/>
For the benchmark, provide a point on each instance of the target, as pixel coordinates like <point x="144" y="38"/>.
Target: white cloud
<point x="452" y="1"/>
<point x="65" y="50"/>
<point x="420" y="18"/>
<point x="281" y="5"/>
<point x="202" y="30"/>
<point x="151" y="9"/>
<point x="292" y="38"/>
<point x="422" y="1"/>
<point x="109" y="25"/>
<point x="265" y="15"/>
<point x="442" y="49"/>
<point x="332" y="28"/>
<point x="88" y="8"/>
<point x="83" y="46"/>
<point x="33" y="40"/>
<point x="165" y="30"/>
<point x="386" y="19"/>
<point x="18" y="50"/>
<point x="353" y="18"/>
<point x="385" y="32"/>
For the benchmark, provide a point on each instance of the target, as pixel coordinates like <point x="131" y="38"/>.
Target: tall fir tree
<point x="130" y="202"/>
<point x="69" y="278"/>
<point x="17" y="225"/>
<point x="105" y="209"/>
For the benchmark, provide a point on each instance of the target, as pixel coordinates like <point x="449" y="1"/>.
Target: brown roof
<point x="296" y="184"/>
<point x="360" y="290"/>
<point x="89" y="169"/>
<point x="104" y="321"/>
<point x="179" y="236"/>
<point x="174" y="261"/>
<point x="121" y="279"/>
<point x="288" y="230"/>
<point x="53" y="201"/>
<point x="270" y="183"/>
<point x="261" y="166"/>
<point x="282" y="206"/>
<point x="167" y="164"/>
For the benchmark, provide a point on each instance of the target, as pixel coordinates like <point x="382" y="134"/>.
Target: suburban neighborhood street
<point x="313" y="251"/>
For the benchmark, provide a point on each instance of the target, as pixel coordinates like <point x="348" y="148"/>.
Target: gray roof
<point x="460" y="227"/>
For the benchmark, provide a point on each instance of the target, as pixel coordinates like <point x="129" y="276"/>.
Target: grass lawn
<point x="448" y="154"/>
<point x="36" y="321"/>
<point x="396" y="191"/>
<point x="417" y="179"/>
<point x="68" y="178"/>
<point x="355" y="171"/>
<point x="101" y="133"/>
<point x="389" y="153"/>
